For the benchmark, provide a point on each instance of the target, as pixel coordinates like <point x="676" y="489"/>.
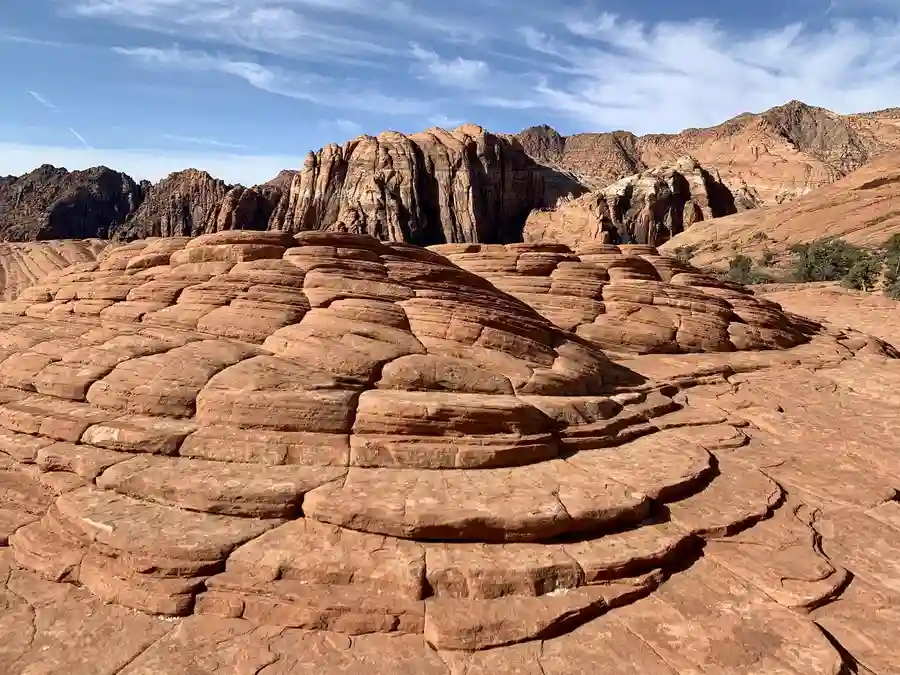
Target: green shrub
<point x="685" y="253"/>
<point x="825" y="260"/>
<point x="892" y="267"/>
<point x="864" y="273"/>
<point x="740" y="270"/>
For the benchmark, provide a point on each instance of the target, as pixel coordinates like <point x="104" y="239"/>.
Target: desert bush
<point x="740" y="270"/>
<point x="864" y="273"/>
<point x="767" y="257"/>
<point x="825" y="260"/>
<point x="892" y="267"/>
<point x="759" y="236"/>
<point x="685" y="253"/>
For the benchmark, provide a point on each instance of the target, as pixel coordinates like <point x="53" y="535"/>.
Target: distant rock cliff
<point x="647" y="208"/>
<point x="468" y="185"/>
<point x="432" y="187"/>
<point x="52" y="203"/>
<point x="437" y="186"/>
<point x="191" y="202"/>
<point x="776" y="155"/>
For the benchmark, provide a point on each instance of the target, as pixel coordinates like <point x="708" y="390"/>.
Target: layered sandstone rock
<point x="24" y="264"/>
<point x="647" y="208"/>
<point x="631" y="299"/>
<point x="52" y="203"/>
<point x="191" y="202"/>
<point x="437" y="186"/>
<point x="768" y="158"/>
<point x="863" y="209"/>
<point x="333" y="454"/>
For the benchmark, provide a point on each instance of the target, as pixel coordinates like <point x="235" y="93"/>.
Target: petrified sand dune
<point x="22" y="265"/>
<point x="631" y="299"/>
<point x="332" y="454"/>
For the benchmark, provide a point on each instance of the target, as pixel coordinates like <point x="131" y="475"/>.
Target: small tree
<point x="824" y="260"/>
<point x="864" y="273"/>
<point x="892" y="267"/>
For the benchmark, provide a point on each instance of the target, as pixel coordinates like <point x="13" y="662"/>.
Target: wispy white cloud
<point x="669" y="76"/>
<point x="355" y="32"/>
<point x="43" y="100"/>
<point x="303" y="86"/>
<point x="454" y="72"/>
<point x="49" y="105"/>
<point x="528" y="62"/>
<point x="32" y="41"/>
<point x="80" y="139"/>
<point x="149" y="164"/>
<point x="209" y="142"/>
<point x="445" y="122"/>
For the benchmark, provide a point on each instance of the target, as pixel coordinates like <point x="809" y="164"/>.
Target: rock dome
<point x="328" y="433"/>
<point x="630" y="299"/>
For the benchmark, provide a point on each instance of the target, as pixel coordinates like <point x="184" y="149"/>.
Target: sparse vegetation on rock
<point x="685" y="253"/>
<point x="741" y="270"/>
<point x="827" y="260"/>
<point x="892" y="267"/>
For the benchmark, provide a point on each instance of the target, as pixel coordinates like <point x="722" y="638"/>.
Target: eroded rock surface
<point x="769" y="157"/>
<point x="191" y="202"/>
<point x="253" y="452"/>
<point x="24" y="264"/>
<point x="649" y="207"/>
<point x="53" y="203"/>
<point x="631" y="299"/>
<point x="436" y="186"/>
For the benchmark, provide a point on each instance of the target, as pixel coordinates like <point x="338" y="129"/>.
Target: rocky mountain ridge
<point x="775" y="156"/>
<point x="862" y="208"/>
<point x="52" y="203"/>
<point x="468" y="185"/>
<point x="437" y="186"/>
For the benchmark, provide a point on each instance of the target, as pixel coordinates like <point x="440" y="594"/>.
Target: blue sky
<point x="244" y="88"/>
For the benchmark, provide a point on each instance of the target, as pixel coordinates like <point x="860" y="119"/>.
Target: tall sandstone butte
<point x="433" y="187"/>
<point x="437" y="186"/>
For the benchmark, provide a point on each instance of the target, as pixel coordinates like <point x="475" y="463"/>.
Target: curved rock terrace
<point x="631" y="299"/>
<point x="25" y="264"/>
<point x="258" y="453"/>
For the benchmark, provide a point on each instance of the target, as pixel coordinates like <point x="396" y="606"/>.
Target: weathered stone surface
<point x="783" y="558"/>
<point x="23" y="266"/>
<point x="217" y="487"/>
<point x="56" y="628"/>
<point x="710" y="619"/>
<point x="191" y="202"/>
<point x="437" y="186"/>
<point x="649" y="207"/>
<point x="22" y="501"/>
<point x="630" y="299"/>
<point x="414" y="470"/>
<point x="53" y="203"/>
<point x="214" y="646"/>
<point x="864" y="621"/>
